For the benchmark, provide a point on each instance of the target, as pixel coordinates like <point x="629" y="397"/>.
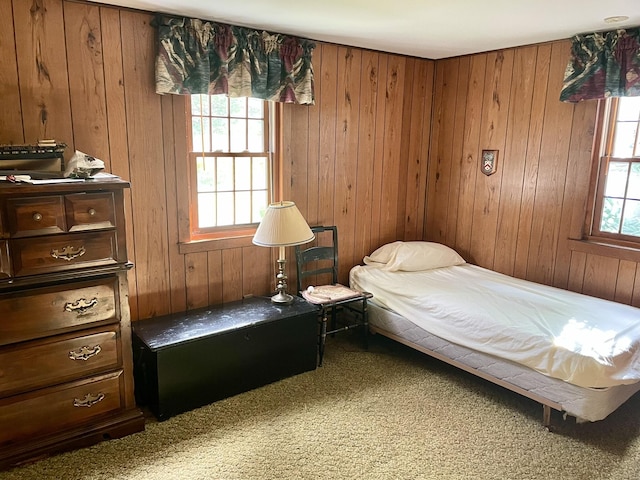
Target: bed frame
<point x="547" y="404"/>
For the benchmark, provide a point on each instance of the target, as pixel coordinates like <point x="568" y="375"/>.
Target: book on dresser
<point x="65" y="328"/>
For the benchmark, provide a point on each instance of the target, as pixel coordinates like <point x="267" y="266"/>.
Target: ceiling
<point x="422" y="28"/>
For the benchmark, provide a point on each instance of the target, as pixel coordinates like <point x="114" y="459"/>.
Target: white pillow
<point x="413" y="256"/>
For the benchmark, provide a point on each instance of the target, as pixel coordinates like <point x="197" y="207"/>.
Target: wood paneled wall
<point x="526" y="219"/>
<point x="83" y="74"/>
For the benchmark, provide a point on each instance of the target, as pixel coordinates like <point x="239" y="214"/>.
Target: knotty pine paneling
<point x="83" y="74"/>
<point x="519" y="221"/>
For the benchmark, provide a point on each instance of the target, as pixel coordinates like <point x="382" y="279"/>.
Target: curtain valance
<point x="204" y="57"/>
<point x="603" y="64"/>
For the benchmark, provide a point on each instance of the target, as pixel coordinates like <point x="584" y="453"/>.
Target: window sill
<point x="211" y="244"/>
<point x="599" y="246"/>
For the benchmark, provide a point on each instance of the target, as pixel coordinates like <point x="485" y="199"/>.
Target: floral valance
<point x="204" y="57"/>
<point x="602" y="65"/>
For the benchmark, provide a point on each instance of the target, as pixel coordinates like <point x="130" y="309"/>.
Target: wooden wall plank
<point x="215" y="276"/>
<point x="600" y="276"/>
<point x="495" y="109"/>
<point x="576" y="271"/>
<point x="146" y="157"/>
<point x="532" y="160"/>
<point x="43" y="71"/>
<point x="313" y="142"/>
<point x="552" y="169"/>
<point x="196" y="280"/>
<point x="470" y="165"/>
<point x="512" y="163"/>
<point x="409" y="102"/>
<point x="259" y="270"/>
<point x="368" y="104"/>
<point x="625" y="281"/>
<point x="232" y="275"/>
<point x="117" y="128"/>
<point x="327" y="156"/>
<point x="346" y="163"/>
<point x="86" y="81"/>
<point x="11" y="112"/>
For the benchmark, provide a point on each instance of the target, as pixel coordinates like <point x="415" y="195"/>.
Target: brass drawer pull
<point x="37" y="217"/>
<point x="68" y="253"/>
<point x="92" y="212"/>
<point x="81" y="305"/>
<point x="89" y="400"/>
<point x="85" y="352"/>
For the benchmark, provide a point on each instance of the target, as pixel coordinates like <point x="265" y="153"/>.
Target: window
<point x="617" y="198"/>
<point x="230" y="164"/>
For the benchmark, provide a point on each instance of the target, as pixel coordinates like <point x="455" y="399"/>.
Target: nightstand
<point x="190" y="359"/>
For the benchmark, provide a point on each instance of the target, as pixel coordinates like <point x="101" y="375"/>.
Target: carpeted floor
<point x="386" y="413"/>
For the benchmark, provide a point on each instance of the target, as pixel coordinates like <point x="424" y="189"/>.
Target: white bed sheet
<point x="579" y="339"/>
<point x="586" y="404"/>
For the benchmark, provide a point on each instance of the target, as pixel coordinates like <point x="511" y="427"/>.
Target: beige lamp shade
<point x="282" y="225"/>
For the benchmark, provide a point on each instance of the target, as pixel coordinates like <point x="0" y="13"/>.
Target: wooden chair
<point x="319" y="263"/>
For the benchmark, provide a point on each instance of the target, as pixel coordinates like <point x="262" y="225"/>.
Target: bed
<point x="570" y="352"/>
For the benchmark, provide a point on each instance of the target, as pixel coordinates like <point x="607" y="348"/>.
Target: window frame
<point x="601" y="157"/>
<point x="231" y="234"/>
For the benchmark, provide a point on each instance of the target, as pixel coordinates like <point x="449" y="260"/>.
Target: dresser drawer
<point x="34" y="256"/>
<point x="57" y="360"/>
<point x="36" y="216"/>
<point x="40" y="312"/>
<point x="90" y="211"/>
<point x="58" y="408"/>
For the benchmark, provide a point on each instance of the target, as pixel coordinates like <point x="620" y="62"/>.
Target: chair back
<point x="319" y="259"/>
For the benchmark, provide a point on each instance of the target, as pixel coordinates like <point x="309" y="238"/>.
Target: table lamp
<point x="282" y="225"/>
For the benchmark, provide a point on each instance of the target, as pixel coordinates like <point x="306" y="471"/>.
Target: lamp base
<point x="282" y="298"/>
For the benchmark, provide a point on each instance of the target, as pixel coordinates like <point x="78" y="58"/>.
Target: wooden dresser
<point x="66" y="374"/>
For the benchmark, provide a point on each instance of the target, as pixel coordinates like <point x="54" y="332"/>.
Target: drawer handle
<point x="89" y="400"/>
<point x="92" y="212"/>
<point x="68" y="253"/>
<point x="81" y="305"/>
<point x="37" y="217"/>
<point x="85" y="352"/>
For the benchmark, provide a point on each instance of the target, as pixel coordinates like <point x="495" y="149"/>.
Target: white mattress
<point x="582" y="340"/>
<point x="590" y="404"/>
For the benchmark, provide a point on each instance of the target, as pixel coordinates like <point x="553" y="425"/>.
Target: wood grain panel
<point x="471" y="146"/>
<point x="196" y="280"/>
<point x="232" y="275"/>
<point x="86" y="80"/>
<point x="43" y="71"/>
<point x="600" y="276"/>
<point x="146" y="158"/>
<point x="346" y="164"/>
<point x="492" y="137"/>
<point x="10" y="128"/>
<point x="368" y="104"/>
<point x="214" y="266"/>
<point x="313" y="141"/>
<point x="512" y="163"/>
<point x="576" y="271"/>
<point x="625" y="281"/>
<point x="532" y="160"/>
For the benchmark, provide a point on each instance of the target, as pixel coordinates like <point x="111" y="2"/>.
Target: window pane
<point x="206" y="210"/>
<point x="220" y="137"/>
<point x="196" y="134"/>
<point x="624" y="139"/>
<point x="206" y="172"/>
<point x="243" y="207"/>
<point x="219" y="105"/>
<point x="225" y="174"/>
<point x="256" y="108"/>
<point x="195" y="104"/>
<point x="243" y="174"/>
<point x="611" y="213"/>
<point x="633" y="190"/>
<point x="260" y="173"/>
<point x="631" y="221"/>
<point x="225" y="208"/>
<point x="238" y="106"/>
<point x="629" y="109"/>
<point x="616" y="179"/>
<point x="238" y="135"/>
<point x="256" y="136"/>
<point x="260" y="204"/>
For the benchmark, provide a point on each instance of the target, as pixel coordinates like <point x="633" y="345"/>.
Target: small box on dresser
<point x="66" y="365"/>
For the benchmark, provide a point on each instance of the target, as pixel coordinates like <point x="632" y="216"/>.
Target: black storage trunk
<point x="186" y="360"/>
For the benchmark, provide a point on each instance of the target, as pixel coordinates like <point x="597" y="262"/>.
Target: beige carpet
<point x="389" y="413"/>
